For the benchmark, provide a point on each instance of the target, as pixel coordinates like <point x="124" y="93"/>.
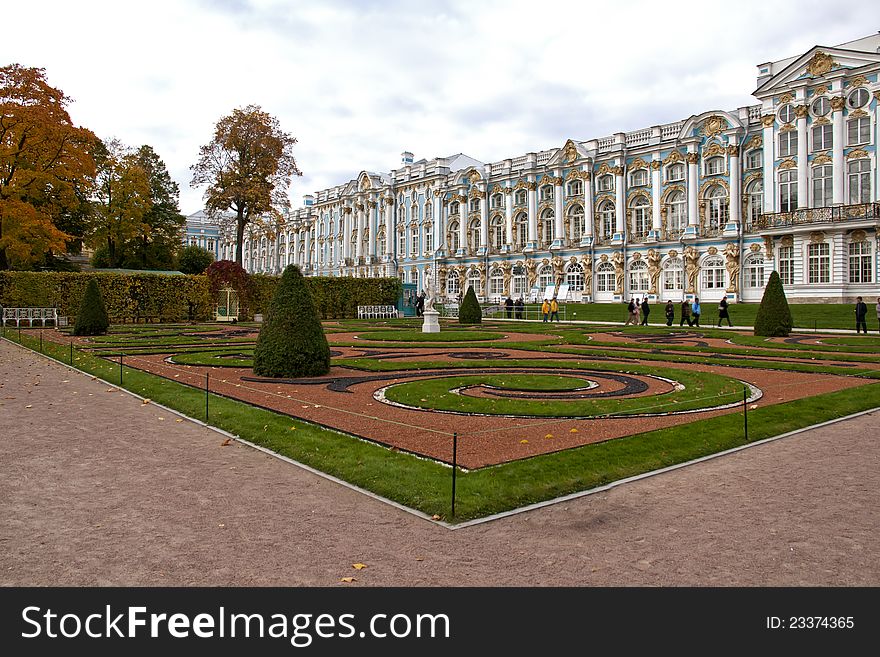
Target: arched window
<point x="640" y="213"/>
<point x="475" y="205"/>
<point x="429" y="211"/>
<point x="718" y="210"/>
<point x="381" y="242"/>
<point x="496" y="281"/>
<point x="605" y="229"/>
<point x="519" y="198"/>
<point x="547" y="221"/>
<point x="576" y="217"/>
<point x="673" y="276"/>
<point x="714" y="274"/>
<point x="755" y="159"/>
<point x="473" y="235"/>
<point x="605" y="279"/>
<point x="473" y="280"/>
<point x="574" y="276"/>
<point x="675" y="172"/>
<point x="545" y="277"/>
<point x="401" y="243"/>
<point x="605" y="183"/>
<point x="414" y="241"/>
<point x="519" y="281"/>
<point x="401" y="215"/>
<point x="497" y="201"/>
<point x="714" y="166"/>
<point x="575" y="188"/>
<point x="639" y="281"/>
<point x="676" y="214"/>
<point x="547" y="193"/>
<point x="521" y="230"/>
<point x="496" y="232"/>
<point x="453" y="285"/>
<point x="755" y="271"/>
<point x="754" y="202"/>
<point x="429" y="238"/>
<point x="454" y="209"/>
<point x="639" y="178"/>
<point x="453" y="237"/>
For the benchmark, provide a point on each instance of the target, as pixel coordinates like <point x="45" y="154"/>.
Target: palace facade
<point x="707" y="206"/>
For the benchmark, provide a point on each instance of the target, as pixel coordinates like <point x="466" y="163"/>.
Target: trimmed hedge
<point x="166" y="298"/>
<point x="470" y="311"/>
<point x="92" y="318"/>
<point x="774" y="315"/>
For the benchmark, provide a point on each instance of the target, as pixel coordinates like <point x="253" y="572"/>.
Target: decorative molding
<point x="768" y="120"/>
<point x="672" y="158"/>
<point x="570" y="151"/>
<point x="673" y="253"/>
<point x="820" y="64"/>
<point x="346" y="210"/>
<point x="521" y="184"/>
<point x="474" y="176"/>
<point x="603" y="257"/>
<point x="714" y="183"/>
<point x="788" y="164"/>
<point x="602" y="198"/>
<point x="821" y="90"/>
<point x="476" y="193"/>
<point x="712" y="250"/>
<point x="785" y="98"/>
<point x="857" y="114"/>
<point x="801" y="111"/>
<point x="858" y="236"/>
<point x="788" y="127"/>
<point x="713" y="149"/>
<point x="822" y="158"/>
<point x="371" y="204"/>
<point x="755" y="142"/>
<point x="822" y="120"/>
<point x="817" y="237"/>
<point x="497" y="189"/>
<point x="617" y="171"/>
<point x="713" y="126"/>
<point x="692" y="158"/>
<point x="838" y="103"/>
<point x="603" y="169"/>
<point x="360" y="207"/>
<point x="732" y="151"/>
<point x="670" y="189"/>
<point x="857" y="154"/>
<point x="531" y="186"/>
<point x="858" y="81"/>
<point x="655" y="165"/>
<point x="571" y="203"/>
<point x="755" y="248"/>
<point x="638" y="163"/>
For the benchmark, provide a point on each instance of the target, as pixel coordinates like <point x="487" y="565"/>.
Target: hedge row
<point x="165" y="298"/>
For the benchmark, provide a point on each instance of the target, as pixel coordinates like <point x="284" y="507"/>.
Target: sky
<point x="358" y="82"/>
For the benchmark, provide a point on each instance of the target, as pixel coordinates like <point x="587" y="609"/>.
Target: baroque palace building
<point x="706" y="207"/>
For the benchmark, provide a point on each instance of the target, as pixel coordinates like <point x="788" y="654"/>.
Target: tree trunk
<point x="239" y="236"/>
<point x="111" y="252"/>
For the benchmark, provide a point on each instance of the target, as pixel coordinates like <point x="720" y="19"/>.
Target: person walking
<point x="695" y="311"/>
<point x="545" y="309"/>
<point x="637" y="311"/>
<point x="670" y="312"/>
<point x="630" y="312"/>
<point x="861" y="314"/>
<point x="646" y="310"/>
<point x="554" y="309"/>
<point x="508" y="307"/>
<point x="723" y="312"/>
<point x="518" y="308"/>
<point x="685" y="313"/>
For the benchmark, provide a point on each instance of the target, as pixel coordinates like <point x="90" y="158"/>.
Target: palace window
<point x="497" y="201"/>
<point x="823" y="137"/>
<point x="547" y="222"/>
<point x="860" y="262"/>
<point x="401" y="244"/>
<point x="673" y="275"/>
<point x="605" y="183"/>
<point x="785" y="262"/>
<point x="429" y="211"/>
<point x="519" y="198"/>
<point x="429" y="239"/>
<point x="473" y="235"/>
<point x="575" y="188"/>
<point x="675" y="172"/>
<point x="858" y="131"/>
<point x="547" y="193"/>
<point x="786" y="113"/>
<point x="519" y="281"/>
<point x="714" y="166"/>
<point x="822" y="186"/>
<point x="788" y="143"/>
<point x="755" y="159"/>
<point x="821" y="106"/>
<point x="719" y="208"/>
<point x="575" y="277"/>
<point x="496" y="281"/>
<point x="819" y="262"/>
<point x="381" y="242"/>
<point x="576" y="217"/>
<point x="606" y="220"/>
<point x="676" y="217"/>
<point x="755" y="201"/>
<point x="858" y="98"/>
<point x="521" y="230"/>
<point x="545" y="277"/>
<point x="755" y="271"/>
<point x="453" y="285"/>
<point x="401" y="215"/>
<point x="859" y="181"/>
<point x="454" y="208"/>
<point x="639" y="178"/>
<point x="475" y="205"/>
<point x="605" y="279"/>
<point x="414" y="242"/>
<point x="473" y="280"/>
<point x="496" y="232"/>
<point x="454" y="244"/>
<point x="641" y="217"/>
<point x="638" y="277"/>
<point x="788" y="191"/>
<point x="713" y="273"/>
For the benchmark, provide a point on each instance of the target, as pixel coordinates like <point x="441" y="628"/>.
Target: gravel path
<point x="99" y="489"/>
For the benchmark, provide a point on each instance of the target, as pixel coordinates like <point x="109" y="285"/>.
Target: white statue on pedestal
<point x="429" y="290"/>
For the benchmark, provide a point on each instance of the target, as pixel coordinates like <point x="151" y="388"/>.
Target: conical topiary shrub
<point x="774" y="315"/>
<point x="92" y="316"/>
<point x="470" y="311"/>
<point x="291" y="341"/>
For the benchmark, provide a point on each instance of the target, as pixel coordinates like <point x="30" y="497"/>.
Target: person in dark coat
<point x="861" y="314"/>
<point x="723" y="312"/>
<point x="646" y="309"/>
<point x="519" y="307"/>
<point x="685" y="313"/>
<point x="508" y="307"/>
<point x="670" y="313"/>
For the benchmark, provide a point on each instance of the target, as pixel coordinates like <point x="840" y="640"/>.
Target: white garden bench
<point x="15" y="316"/>
<point x="377" y="312"/>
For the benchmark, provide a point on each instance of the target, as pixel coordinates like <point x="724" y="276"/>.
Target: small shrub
<point x="194" y="260"/>
<point x="470" y="311"/>
<point x="92" y="316"/>
<point x="774" y="316"/>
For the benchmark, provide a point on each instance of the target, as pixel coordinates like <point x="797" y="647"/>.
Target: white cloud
<point x="357" y="82"/>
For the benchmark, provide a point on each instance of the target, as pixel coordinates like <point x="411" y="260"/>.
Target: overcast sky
<point x="357" y="82"/>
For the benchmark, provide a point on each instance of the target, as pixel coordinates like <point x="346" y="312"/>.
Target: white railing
<point x="544" y="156"/>
<point x="638" y="137"/>
<point x="755" y="114"/>
<point x="606" y="143"/>
<point x="519" y="162"/>
<point x="671" y="130"/>
<point x="15" y="316"/>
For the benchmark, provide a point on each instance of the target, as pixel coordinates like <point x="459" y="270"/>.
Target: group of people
<point x="861" y="311"/>
<point x="636" y="308"/>
<point x="690" y="312"/>
<point x="550" y="308"/>
<point x="512" y="307"/>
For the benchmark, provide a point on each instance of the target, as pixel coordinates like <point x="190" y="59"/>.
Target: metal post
<point x="71" y="352"/>
<point x="207" y="388"/>
<point x="41" y="340"/>
<point x="454" y="468"/>
<point x="120" y="369"/>
<point x="746" y="413"/>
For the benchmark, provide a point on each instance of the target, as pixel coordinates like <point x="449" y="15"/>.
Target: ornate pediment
<point x="816" y="63"/>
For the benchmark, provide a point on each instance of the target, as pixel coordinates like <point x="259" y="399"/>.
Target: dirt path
<point x="98" y="489"/>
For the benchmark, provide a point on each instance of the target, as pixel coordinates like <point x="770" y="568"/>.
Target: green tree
<point x="43" y="157"/>
<point x="470" y="311"/>
<point x="247" y="167"/>
<point x="162" y="225"/>
<point x="774" y="315"/>
<point x="194" y="260"/>
<point x="291" y="341"/>
<point x="92" y="316"/>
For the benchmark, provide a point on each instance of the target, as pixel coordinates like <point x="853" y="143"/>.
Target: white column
<point x="656" y="225"/>
<point x="533" y="216"/>
<point x="389" y="227"/>
<point x="359" y="245"/>
<point x="373" y="221"/>
<point x="438" y="221"/>
<point x="693" y="192"/>
<point x="296" y="248"/>
<point x="588" y="204"/>
<point x="462" y="224"/>
<point x="484" y="218"/>
<point x="308" y="253"/>
<point x="769" y="180"/>
<point x="558" y="223"/>
<point x="735" y="182"/>
<point x="803" y="165"/>
<point x="346" y="232"/>
<point x="508" y="219"/>
<point x="838" y="164"/>
<point x="619" y="203"/>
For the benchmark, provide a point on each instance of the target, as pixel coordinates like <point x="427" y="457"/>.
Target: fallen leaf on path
<point x="348" y="580"/>
<point x="358" y="566"/>
<point x="145" y="402"/>
<point x="435" y="517"/>
<point x="178" y="420"/>
<point x="226" y="442"/>
<point x="573" y="431"/>
<point x="29" y="406"/>
<point x="526" y="442"/>
<point x="548" y="436"/>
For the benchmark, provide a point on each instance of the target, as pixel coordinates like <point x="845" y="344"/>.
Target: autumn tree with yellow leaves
<point x="43" y="157"/>
<point x="247" y="167"/>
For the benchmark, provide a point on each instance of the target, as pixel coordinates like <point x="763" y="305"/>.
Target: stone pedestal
<point x="430" y="323"/>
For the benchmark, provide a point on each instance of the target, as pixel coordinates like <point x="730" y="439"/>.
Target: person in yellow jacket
<point x="545" y="308"/>
<point x="554" y="309"/>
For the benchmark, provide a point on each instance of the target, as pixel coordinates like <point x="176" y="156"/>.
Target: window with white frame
<point x="819" y="262"/>
<point x="401" y="215"/>
<point x="640" y="217"/>
<point x="755" y="159"/>
<point x="755" y="271"/>
<point x="574" y="277"/>
<point x="473" y="235"/>
<point x="497" y="200"/>
<point x="547" y="193"/>
<point x="414" y="241"/>
<point x="429" y="239"/>
<point x="861" y="264"/>
<point x="454" y="209"/>
<point x="754" y="201"/>
<point x="822" y="186"/>
<point x="858" y="131"/>
<point x="453" y="284"/>
<point x="639" y="178"/>
<point x="788" y="143"/>
<point x="719" y="208"/>
<point x="788" y="190"/>
<point x="576" y="217"/>
<point x="521" y="230"/>
<point x="473" y="280"/>
<point x="859" y="178"/>
<point x="714" y="274"/>
<point x="673" y="275"/>
<point x="575" y="188"/>
<point x="519" y="198"/>
<point x="605" y="183"/>
<point x="858" y="98"/>
<point x="519" y="281"/>
<point x="401" y="243"/>
<point x="785" y="262"/>
<point x="823" y="137"/>
<point x="429" y="211"/>
<point x="545" y="277"/>
<point x="786" y="113"/>
<point x="675" y="172"/>
<point x="547" y="222"/>
<point x="821" y="106"/>
<point x="496" y="281"/>
<point x="714" y="166"/>
<point x="605" y="279"/>
<point x="475" y="205"/>
<point x="606" y="220"/>
<point x="381" y="241"/>
<point x="639" y="281"/>
<point x="676" y="213"/>
<point x="496" y="232"/>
